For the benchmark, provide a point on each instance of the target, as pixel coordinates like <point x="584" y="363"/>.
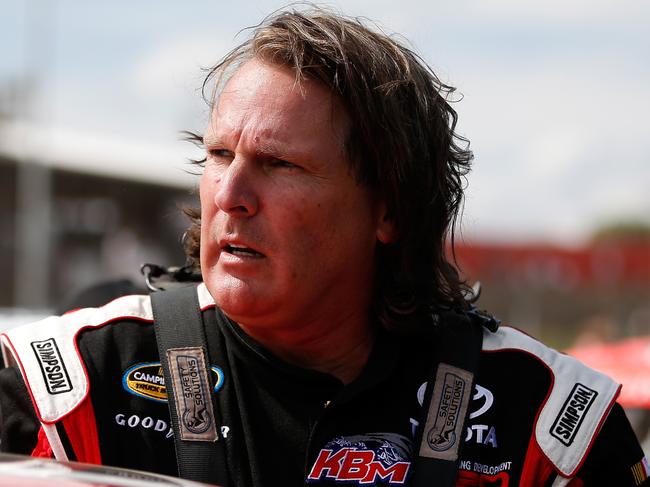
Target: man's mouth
<point x="242" y="250"/>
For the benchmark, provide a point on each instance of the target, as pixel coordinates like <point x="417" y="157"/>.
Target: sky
<point x="555" y="94"/>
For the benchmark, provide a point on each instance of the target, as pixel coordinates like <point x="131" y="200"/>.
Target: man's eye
<point x="283" y="164"/>
<point x="220" y="154"/>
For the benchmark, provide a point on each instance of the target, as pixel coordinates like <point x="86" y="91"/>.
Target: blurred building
<point x="75" y="212"/>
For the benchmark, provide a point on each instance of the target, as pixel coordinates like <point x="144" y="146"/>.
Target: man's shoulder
<point x="52" y="354"/>
<point x="508" y="345"/>
<point x="48" y="355"/>
<point x="61" y="333"/>
<point x="574" y="404"/>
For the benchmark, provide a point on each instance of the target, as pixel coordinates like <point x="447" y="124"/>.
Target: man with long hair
<point x="340" y="342"/>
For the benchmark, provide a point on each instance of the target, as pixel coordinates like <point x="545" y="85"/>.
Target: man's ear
<point x="385" y="226"/>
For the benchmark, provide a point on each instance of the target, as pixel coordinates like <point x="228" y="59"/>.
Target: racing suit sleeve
<point x="616" y="458"/>
<point x="18" y="423"/>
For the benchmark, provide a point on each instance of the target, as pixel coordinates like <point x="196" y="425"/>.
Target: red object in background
<point x="627" y="362"/>
<point x="596" y="265"/>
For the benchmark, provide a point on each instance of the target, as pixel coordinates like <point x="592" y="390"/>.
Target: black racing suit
<point x="289" y="426"/>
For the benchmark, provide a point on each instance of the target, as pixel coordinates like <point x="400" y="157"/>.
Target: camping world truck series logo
<point x="53" y="369"/>
<point x="148" y="380"/>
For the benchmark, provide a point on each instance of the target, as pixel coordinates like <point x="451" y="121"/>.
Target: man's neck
<point x="338" y="348"/>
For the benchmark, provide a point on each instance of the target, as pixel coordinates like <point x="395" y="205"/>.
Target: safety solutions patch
<point x="443" y="430"/>
<point x="55" y="374"/>
<point x="192" y="394"/>
<point x="147" y="380"/>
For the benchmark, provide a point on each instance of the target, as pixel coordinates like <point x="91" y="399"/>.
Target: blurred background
<point x="556" y="97"/>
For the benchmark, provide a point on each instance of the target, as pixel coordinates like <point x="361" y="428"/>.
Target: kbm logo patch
<point x="54" y="372"/>
<point x="192" y="397"/>
<point x="575" y="408"/>
<point x="449" y="401"/>
<point x="364" y="460"/>
<point x="147" y="380"/>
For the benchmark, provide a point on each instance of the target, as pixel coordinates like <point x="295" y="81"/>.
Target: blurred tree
<point x="626" y="230"/>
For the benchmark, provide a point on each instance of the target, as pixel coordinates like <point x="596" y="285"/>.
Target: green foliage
<point x="627" y="230"/>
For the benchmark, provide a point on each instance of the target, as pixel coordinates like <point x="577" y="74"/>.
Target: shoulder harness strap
<point x="182" y="345"/>
<point x="447" y="399"/>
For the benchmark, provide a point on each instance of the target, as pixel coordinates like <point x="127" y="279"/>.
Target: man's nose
<point x="235" y="193"/>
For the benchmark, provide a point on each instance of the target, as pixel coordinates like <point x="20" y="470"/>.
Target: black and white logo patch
<point x="573" y="412"/>
<point x="448" y="408"/>
<point x="192" y="394"/>
<point x="54" y="372"/>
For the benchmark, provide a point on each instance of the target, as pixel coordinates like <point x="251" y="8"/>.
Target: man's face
<point x="287" y="234"/>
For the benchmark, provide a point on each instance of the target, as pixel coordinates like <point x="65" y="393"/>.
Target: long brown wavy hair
<point x="402" y="143"/>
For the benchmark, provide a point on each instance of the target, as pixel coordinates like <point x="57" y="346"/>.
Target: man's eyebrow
<point x="264" y="145"/>
<point x="211" y="139"/>
<point x="267" y="145"/>
<point x="274" y="147"/>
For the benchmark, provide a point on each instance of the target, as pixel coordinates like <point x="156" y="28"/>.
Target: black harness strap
<point x="182" y="346"/>
<point x="446" y="403"/>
